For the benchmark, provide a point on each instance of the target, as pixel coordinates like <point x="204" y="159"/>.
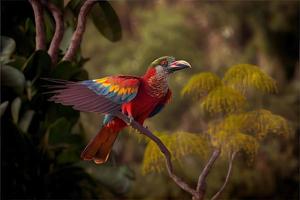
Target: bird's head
<point x="166" y="65"/>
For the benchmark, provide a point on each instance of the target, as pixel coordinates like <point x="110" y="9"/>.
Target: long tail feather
<point x="100" y="146"/>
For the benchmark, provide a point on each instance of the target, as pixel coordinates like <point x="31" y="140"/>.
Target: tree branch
<point x="80" y="28"/>
<point x="218" y="194"/>
<point x="201" y="186"/>
<point x="40" y="39"/>
<point x="183" y="185"/>
<point x="59" y="31"/>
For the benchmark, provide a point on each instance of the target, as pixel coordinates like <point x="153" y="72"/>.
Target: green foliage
<point x="238" y="129"/>
<point x="3" y="107"/>
<point x="37" y="65"/>
<point x="244" y="76"/>
<point x="104" y="18"/>
<point x="119" y="179"/>
<point x="43" y="140"/>
<point x="106" y="21"/>
<point x="228" y="95"/>
<point x="223" y="100"/>
<point x="15" y="109"/>
<point x="201" y="84"/>
<point x="180" y="144"/>
<point x="38" y="135"/>
<point x="262" y="122"/>
<point x="12" y="78"/>
<point x="8" y="46"/>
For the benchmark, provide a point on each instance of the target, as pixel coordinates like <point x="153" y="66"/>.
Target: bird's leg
<point x="131" y="119"/>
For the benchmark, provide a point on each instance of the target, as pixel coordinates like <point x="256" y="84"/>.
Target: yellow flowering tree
<point x="233" y="127"/>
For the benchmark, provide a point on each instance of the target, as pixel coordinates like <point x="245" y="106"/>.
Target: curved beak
<point x="178" y="65"/>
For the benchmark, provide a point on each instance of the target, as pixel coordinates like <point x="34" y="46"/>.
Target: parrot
<point x="138" y="98"/>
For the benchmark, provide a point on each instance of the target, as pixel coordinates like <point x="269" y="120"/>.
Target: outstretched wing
<point x="100" y="95"/>
<point x="161" y="104"/>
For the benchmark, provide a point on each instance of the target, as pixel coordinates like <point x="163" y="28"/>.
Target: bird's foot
<point x="131" y="119"/>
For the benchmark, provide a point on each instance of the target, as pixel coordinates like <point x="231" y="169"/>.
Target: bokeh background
<point x="212" y="36"/>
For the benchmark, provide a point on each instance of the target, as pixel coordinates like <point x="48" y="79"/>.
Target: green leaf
<point x="29" y="26"/>
<point x="15" y="109"/>
<point x="17" y="62"/>
<point x="75" y="6"/>
<point x="49" y="27"/>
<point x="59" y="3"/>
<point x="56" y="111"/>
<point x="7" y="47"/>
<point x="66" y="2"/>
<point x="66" y="39"/>
<point x="13" y="78"/>
<point x="68" y="155"/>
<point x="26" y="120"/>
<point x="106" y="21"/>
<point x="118" y="179"/>
<point x="3" y="107"/>
<point x="64" y="70"/>
<point x="29" y="90"/>
<point x="37" y="65"/>
<point x="58" y="132"/>
<point x="81" y="75"/>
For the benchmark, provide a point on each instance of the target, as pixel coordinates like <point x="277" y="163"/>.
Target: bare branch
<point x="59" y="31"/>
<point x="218" y="194"/>
<point x="40" y="38"/>
<point x="80" y="28"/>
<point x="201" y="186"/>
<point x="183" y="185"/>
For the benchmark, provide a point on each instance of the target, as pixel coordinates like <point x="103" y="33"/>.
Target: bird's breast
<point x="157" y="86"/>
<point x="144" y="103"/>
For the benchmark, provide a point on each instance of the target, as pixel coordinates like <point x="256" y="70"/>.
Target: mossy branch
<point x="40" y="38"/>
<point x="80" y="28"/>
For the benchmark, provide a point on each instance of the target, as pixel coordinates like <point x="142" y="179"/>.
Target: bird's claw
<point x="131" y="119"/>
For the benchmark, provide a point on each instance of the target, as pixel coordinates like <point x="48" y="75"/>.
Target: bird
<point x="137" y="97"/>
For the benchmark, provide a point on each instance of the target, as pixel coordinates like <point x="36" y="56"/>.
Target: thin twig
<point x="80" y="28"/>
<point x="59" y="31"/>
<point x="40" y="38"/>
<point x="201" y="186"/>
<point x="218" y="194"/>
<point x="183" y="185"/>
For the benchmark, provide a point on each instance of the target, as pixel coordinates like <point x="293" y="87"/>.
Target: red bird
<point x="137" y="97"/>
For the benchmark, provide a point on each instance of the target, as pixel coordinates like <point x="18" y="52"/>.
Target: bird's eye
<point x="164" y="63"/>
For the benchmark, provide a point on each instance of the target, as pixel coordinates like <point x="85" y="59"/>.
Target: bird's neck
<point x="156" y="83"/>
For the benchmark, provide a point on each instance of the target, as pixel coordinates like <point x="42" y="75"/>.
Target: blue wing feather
<point x="114" y="87"/>
<point x="157" y="109"/>
<point x="161" y="104"/>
